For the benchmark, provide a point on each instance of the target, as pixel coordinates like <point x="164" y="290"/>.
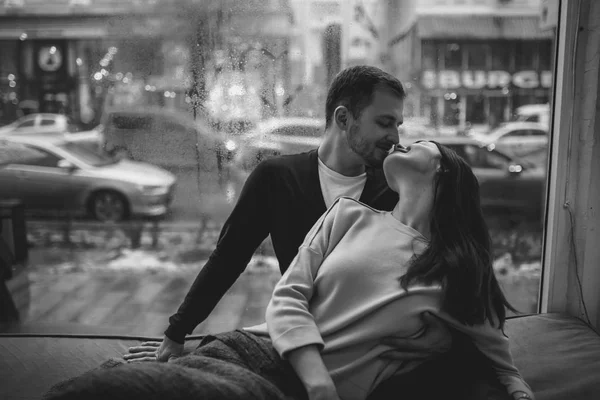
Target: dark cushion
<point x="558" y="355"/>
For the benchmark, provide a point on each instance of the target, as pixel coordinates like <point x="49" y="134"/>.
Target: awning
<point x="481" y="27"/>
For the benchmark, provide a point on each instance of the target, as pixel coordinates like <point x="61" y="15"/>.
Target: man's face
<point x="373" y="134"/>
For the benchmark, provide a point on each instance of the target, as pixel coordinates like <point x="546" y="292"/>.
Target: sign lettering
<point x="453" y="79"/>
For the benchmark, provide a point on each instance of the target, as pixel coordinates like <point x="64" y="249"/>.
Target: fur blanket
<point x="233" y="365"/>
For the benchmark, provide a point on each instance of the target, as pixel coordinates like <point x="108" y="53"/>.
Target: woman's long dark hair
<point x="459" y="252"/>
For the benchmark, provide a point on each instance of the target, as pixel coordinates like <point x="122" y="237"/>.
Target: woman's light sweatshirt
<point x="342" y="293"/>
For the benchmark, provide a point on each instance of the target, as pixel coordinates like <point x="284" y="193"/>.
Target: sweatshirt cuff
<point x="175" y="335"/>
<point x="518" y="385"/>
<point x="297" y="337"/>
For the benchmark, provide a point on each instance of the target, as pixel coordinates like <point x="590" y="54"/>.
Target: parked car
<point x="56" y="125"/>
<point x="506" y="182"/>
<point x="539" y="113"/>
<point x="278" y="136"/>
<point x="51" y="174"/>
<point x="165" y="137"/>
<point x="516" y="138"/>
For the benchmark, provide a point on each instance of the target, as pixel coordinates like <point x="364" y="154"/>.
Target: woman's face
<point x="417" y="162"/>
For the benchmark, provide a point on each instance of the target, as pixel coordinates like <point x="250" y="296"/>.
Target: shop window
<point x="451" y="110"/>
<point x="453" y="56"/>
<point x="526" y="55"/>
<point x="545" y="55"/>
<point x="477" y="56"/>
<point x="429" y="55"/>
<point x="476" y="109"/>
<point x="501" y="55"/>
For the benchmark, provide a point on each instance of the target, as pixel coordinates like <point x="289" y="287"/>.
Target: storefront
<point x="477" y="73"/>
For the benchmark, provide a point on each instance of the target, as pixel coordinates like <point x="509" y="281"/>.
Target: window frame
<point x="570" y="190"/>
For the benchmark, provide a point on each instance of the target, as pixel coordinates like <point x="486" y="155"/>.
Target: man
<point x="284" y="197"/>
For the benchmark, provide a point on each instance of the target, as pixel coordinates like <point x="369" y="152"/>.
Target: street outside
<point x="116" y="274"/>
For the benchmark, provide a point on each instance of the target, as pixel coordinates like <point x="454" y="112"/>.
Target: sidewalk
<point x="133" y="279"/>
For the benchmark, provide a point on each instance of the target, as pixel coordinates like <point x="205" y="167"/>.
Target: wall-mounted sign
<point x="50" y="58"/>
<point x="452" y="79"/>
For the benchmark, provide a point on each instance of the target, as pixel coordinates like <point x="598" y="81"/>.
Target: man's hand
<point x="164" y="351"/>
<point x="437" y="343"/>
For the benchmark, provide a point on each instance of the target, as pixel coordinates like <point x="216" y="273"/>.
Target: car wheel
<point x="108" y="206"/>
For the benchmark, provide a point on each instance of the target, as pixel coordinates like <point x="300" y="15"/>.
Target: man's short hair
<point x="353" y="88"/>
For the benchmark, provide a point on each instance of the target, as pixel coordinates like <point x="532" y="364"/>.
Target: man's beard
<point x="361" y="147"/>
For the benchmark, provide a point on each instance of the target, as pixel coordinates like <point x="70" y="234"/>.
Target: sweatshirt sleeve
<point x="289" y="320"/>
<point x="244" y="230"/>
<point x="494" y="344"/>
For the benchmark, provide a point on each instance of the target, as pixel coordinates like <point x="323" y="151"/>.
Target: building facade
<point x="77" y="56"/>
<point x="480" y="60"/>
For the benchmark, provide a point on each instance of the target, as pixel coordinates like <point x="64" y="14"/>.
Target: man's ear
<point x="342" y="117"/>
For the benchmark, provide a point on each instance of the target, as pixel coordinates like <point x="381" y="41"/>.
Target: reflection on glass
<point x="206" y="90"/>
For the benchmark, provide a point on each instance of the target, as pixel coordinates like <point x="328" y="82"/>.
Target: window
<point x="13" y="153"/>
<point x="526" y="56"/>
<point x="518" y="133"/>
<point x="476" y="109"/>
<point x="532" y="118"/>
<point x="479" y="157"/>
<point x="502" y="53"/>
<point x="477" y="56"/>
<point x="429" y="56"/>
<point x="131" y="122"/>
<point x="45" y="159"/>
<point x="179" y="92"/>
<point x="27" y="124"/>
<point x="453" y="56"/>
<point x="298" y="130"/>
<point x="93" y="158"/>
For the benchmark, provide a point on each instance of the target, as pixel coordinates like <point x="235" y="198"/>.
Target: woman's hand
<point x="437" y="333"/>
<point x="164" y="351"/>
<point x="313" y="374"/>
<point x="322" y="390"/>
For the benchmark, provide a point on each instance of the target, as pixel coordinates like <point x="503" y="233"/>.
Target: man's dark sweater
<point x="282" y="197"/>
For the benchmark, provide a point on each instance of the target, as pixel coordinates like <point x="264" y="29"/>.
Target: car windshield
<point x="93" y="158"/>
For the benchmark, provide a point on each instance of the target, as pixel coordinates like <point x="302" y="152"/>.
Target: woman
<point x="361" y="276"/>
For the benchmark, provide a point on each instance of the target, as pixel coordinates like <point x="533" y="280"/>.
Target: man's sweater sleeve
<point x="245" y="229"/>
<point x="289" y="320"/>
<point x="494" y="344"/>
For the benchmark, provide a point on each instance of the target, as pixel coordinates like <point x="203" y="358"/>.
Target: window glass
<point x="298" y="130"/>
<point x="27" y="124"/>
<point x="453" y="56"/>
<point x="166" y="108"/>
<point x="429" y="55"/>
<point x="518" y="133"/>
<point x="45" y="160"/>
<point x="130" y="122"/>
<point x="93" y="158"/>
<point x="11" y="153"/>
<point x="477" y="56"/>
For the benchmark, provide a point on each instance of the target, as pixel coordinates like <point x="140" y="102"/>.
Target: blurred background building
<point x="464" y="62"/>
<point x="79" y="56"/>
